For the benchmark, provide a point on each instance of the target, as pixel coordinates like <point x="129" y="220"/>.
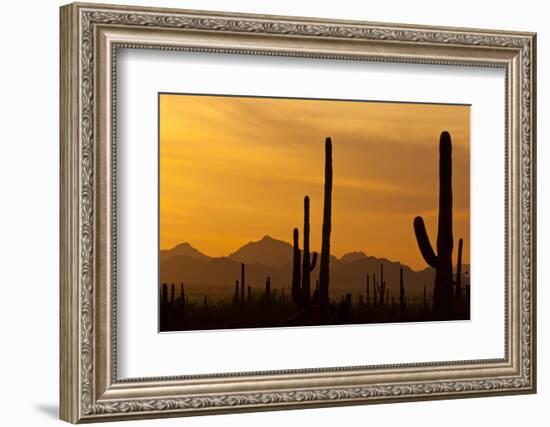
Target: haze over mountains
<point x="216" y="277"/>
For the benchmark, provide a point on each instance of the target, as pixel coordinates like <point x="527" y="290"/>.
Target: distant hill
<point x="268" y="251"/>
<point x="352" y="256"/>
<point x="184" y="249"/>
<point x="271" y="257"/>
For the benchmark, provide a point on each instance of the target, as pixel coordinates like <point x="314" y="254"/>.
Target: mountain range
<point x="216" y="276"/>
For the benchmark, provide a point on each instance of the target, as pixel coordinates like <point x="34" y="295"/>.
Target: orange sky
<point x="235" y="169"/>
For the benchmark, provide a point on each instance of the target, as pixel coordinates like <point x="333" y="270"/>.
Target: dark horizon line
<point x="374" y="101"/>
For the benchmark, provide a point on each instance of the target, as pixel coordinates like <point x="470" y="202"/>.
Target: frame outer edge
<point x="69" y="240"/>
<point x="77" y="339"/>
<point x="533" y="201"/>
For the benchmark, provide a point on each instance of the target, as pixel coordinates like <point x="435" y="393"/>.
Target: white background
<point x="144" y="73"/>
<point x="29" y="176"/>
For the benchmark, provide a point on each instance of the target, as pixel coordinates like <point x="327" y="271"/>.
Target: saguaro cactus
<point x="173" y="294"/>
<point x="381" y="287"/>
<point x="325" y="243"/>
<point x="307" y="266"/>
<point x="442" y="261"/>
<point x="424" y="300"/>
<point x="296" y="268"/>
<point x="368" y="289"/>
<point x="458" y="290"/>
<point x="164" y="295"/>
<point x="402" y="304"/>
<point x="236" y="294"/>
<point x="182" y="296"/>
<point x="268" y="287"/>
<point x="242" y="283"/>
<point x="375" y="287"/>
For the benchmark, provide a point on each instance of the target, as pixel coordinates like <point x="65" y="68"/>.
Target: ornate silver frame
<point x="90" y="36"/>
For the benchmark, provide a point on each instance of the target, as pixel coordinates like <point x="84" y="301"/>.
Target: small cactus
<point x="296" y="255"/>
<point x="242" y="282"/>
<point x="173" y="294"/>
<point x="381" y="287"/>
<point x="268" y="287"/>
<point x="368" y="290"/>
<point x="402" y="304"/>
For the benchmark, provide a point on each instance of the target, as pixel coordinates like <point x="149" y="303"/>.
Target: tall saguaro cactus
<point x="296" y="268"/>
<point x="442" y="261"/>
<point x="307" y="266"/>
<point x="325" y="243"/>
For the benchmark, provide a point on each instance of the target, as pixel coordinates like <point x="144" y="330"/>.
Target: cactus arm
<point x="424" y="242"/>
<point x="313" y="261"/>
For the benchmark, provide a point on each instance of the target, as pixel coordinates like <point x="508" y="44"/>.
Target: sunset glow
<point x="233" y="169"/>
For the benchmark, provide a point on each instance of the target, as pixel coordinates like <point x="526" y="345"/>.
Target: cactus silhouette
<point x="424" y="300"/>
<point x="182" y="296"/>
<point x="236" y="294"/>
<point x="242" y="283"/>
<point x="381" y="287"/>
<point x="402" y="304"/>
<point x="172" y="294"/>
<point x="442" y="261"/>
<point x="268" y="287"/>
<point x="368" y="290"/>
<point x="325" y="242"/>
<point x="307" y="266"/>
<point x="164" y="295"/>
<point x="458" y="291"/>
<point x="296" y="255"/>
<point x="374" y="287"/>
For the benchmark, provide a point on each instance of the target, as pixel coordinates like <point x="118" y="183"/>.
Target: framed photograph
<point x="265" y="212"/>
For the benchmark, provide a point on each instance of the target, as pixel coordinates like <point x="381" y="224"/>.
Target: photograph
<point x="285" y="212"/>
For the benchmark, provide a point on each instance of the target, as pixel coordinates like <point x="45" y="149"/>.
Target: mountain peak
<point x="267" y="251"/>
<point x="186" y="249"/>
<point x="352" y="256"/>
